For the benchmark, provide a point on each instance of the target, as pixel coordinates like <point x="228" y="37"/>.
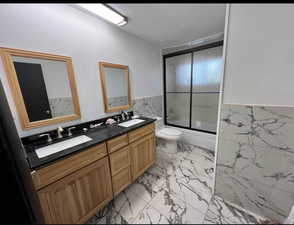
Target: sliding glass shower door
<point x="192" y="83"/>
<point x="178" y="85"/>
<point x="207" y="66"/>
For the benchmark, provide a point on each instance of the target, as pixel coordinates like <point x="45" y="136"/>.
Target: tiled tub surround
<point x="255" y="159"/>
<point x="177" y="189"/>
<point x="148" y="106"/>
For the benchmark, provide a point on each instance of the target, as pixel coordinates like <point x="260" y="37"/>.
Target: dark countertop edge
<point x="34" y="164"/>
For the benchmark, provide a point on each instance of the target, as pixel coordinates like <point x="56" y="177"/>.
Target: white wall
<point x="261" y="53"/>
<point x="55" y="76"/>
<point x="64" y="30"/>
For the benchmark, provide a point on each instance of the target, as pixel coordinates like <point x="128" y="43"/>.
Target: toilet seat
<point x="169" y="134"/>
<point x="171" y="131"/>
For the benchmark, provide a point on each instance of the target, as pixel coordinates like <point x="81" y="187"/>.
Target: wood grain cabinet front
<point x="77" y="197"/>
<point x="142" y="155"/>
<point x="120" y="160"/>
<point x="58" y="170"/>
<point x="117" y="143"/>
<point x="120" y="163"/>
<point x="121" y="180"/>
<point x="74" y="189"/>
<point x="141" y="132"/>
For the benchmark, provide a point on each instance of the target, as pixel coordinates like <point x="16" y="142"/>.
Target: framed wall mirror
<point x="116" y="89"/>
<point x="43" y="87"/>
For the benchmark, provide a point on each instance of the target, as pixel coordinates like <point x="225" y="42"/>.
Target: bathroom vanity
<point x="74" y="184"/>
<point x="75" y="171"/>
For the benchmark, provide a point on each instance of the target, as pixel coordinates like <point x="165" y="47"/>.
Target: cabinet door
<point x="142" y="154"/>
<point x="77" y="197"/>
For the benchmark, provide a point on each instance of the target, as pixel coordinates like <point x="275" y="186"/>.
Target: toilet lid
<point x="170" y="131"/>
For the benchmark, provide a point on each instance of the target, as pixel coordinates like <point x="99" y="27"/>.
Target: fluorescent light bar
<point x="105" y="12"/>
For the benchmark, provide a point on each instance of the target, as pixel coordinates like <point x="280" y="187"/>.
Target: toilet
<point x="171" y="136"/>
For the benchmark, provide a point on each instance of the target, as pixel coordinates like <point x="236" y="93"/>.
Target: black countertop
<point x="98" y="135"/>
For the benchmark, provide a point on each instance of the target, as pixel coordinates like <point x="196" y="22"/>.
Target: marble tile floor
<point x="177" y="189"/>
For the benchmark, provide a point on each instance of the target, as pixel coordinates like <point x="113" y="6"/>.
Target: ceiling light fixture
<point x="106" y="12"/>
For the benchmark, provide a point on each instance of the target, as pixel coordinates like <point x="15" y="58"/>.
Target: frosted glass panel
<point x="193" y="105"/>
<point x="178" y="109"/>
<point x="204" y="111"/>
<point x="207" y="65"/>
<point x="178" y="73"/>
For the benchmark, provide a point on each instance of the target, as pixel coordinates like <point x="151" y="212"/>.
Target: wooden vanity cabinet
<point x="76" y="197"/>
<point x="73" y="189"/>
<point x="143" y="155"/>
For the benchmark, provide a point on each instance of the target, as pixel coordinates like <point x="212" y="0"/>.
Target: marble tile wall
<point x="222" y="212"/>
<point x="148" y="106"/>
<point x="61" y="106"/>
<point x="255" y="159"/>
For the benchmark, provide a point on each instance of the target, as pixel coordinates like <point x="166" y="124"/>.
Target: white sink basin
<point x="130" y="122"/>
<point x="60" y="146"/>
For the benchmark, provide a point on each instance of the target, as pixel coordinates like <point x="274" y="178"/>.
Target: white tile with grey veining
<point x="150" y="215"/>
<point x="222" y="212"/>
<point x="248" y="194"/>
<point x="122" y="210"/>
<point x="186" y="176"/>
<point x="264" y="165"/>
<point x="256" y="158"/>
<point x="200" y="160"/>
<point x="262" y="126"/>
<point x="150" y="183"/>
<point x="148" y="106"/>
<point x="174" y="210"/>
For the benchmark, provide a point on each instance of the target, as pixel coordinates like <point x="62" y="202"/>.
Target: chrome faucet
<point x="69" y="131"/>
<point x="49" y="139"/>
<point x="124" y="115"/>
<point x="59" y="130"/>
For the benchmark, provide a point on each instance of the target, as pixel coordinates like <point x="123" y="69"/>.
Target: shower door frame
<point x="182" y="52"/>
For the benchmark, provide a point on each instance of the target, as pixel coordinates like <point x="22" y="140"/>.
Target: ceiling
<point x="167" y="25"/>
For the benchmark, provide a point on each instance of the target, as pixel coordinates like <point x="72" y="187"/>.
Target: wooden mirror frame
<point x="104" y="91"/>
<point x="6" y="54"/>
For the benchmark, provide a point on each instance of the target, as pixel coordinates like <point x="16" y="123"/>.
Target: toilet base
<point x="171" y="146"/>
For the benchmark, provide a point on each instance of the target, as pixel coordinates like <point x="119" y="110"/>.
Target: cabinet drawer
<point x="140" y="132"/>
<point x="121" y="180"/>
<point x="117" y="143"/>
<point x="51" y="173"/>
<point x="120" y="160"/>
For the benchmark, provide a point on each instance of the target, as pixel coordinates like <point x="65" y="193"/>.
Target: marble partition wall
<point x="148" y="106"/>
<point x="255" y="159"/>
